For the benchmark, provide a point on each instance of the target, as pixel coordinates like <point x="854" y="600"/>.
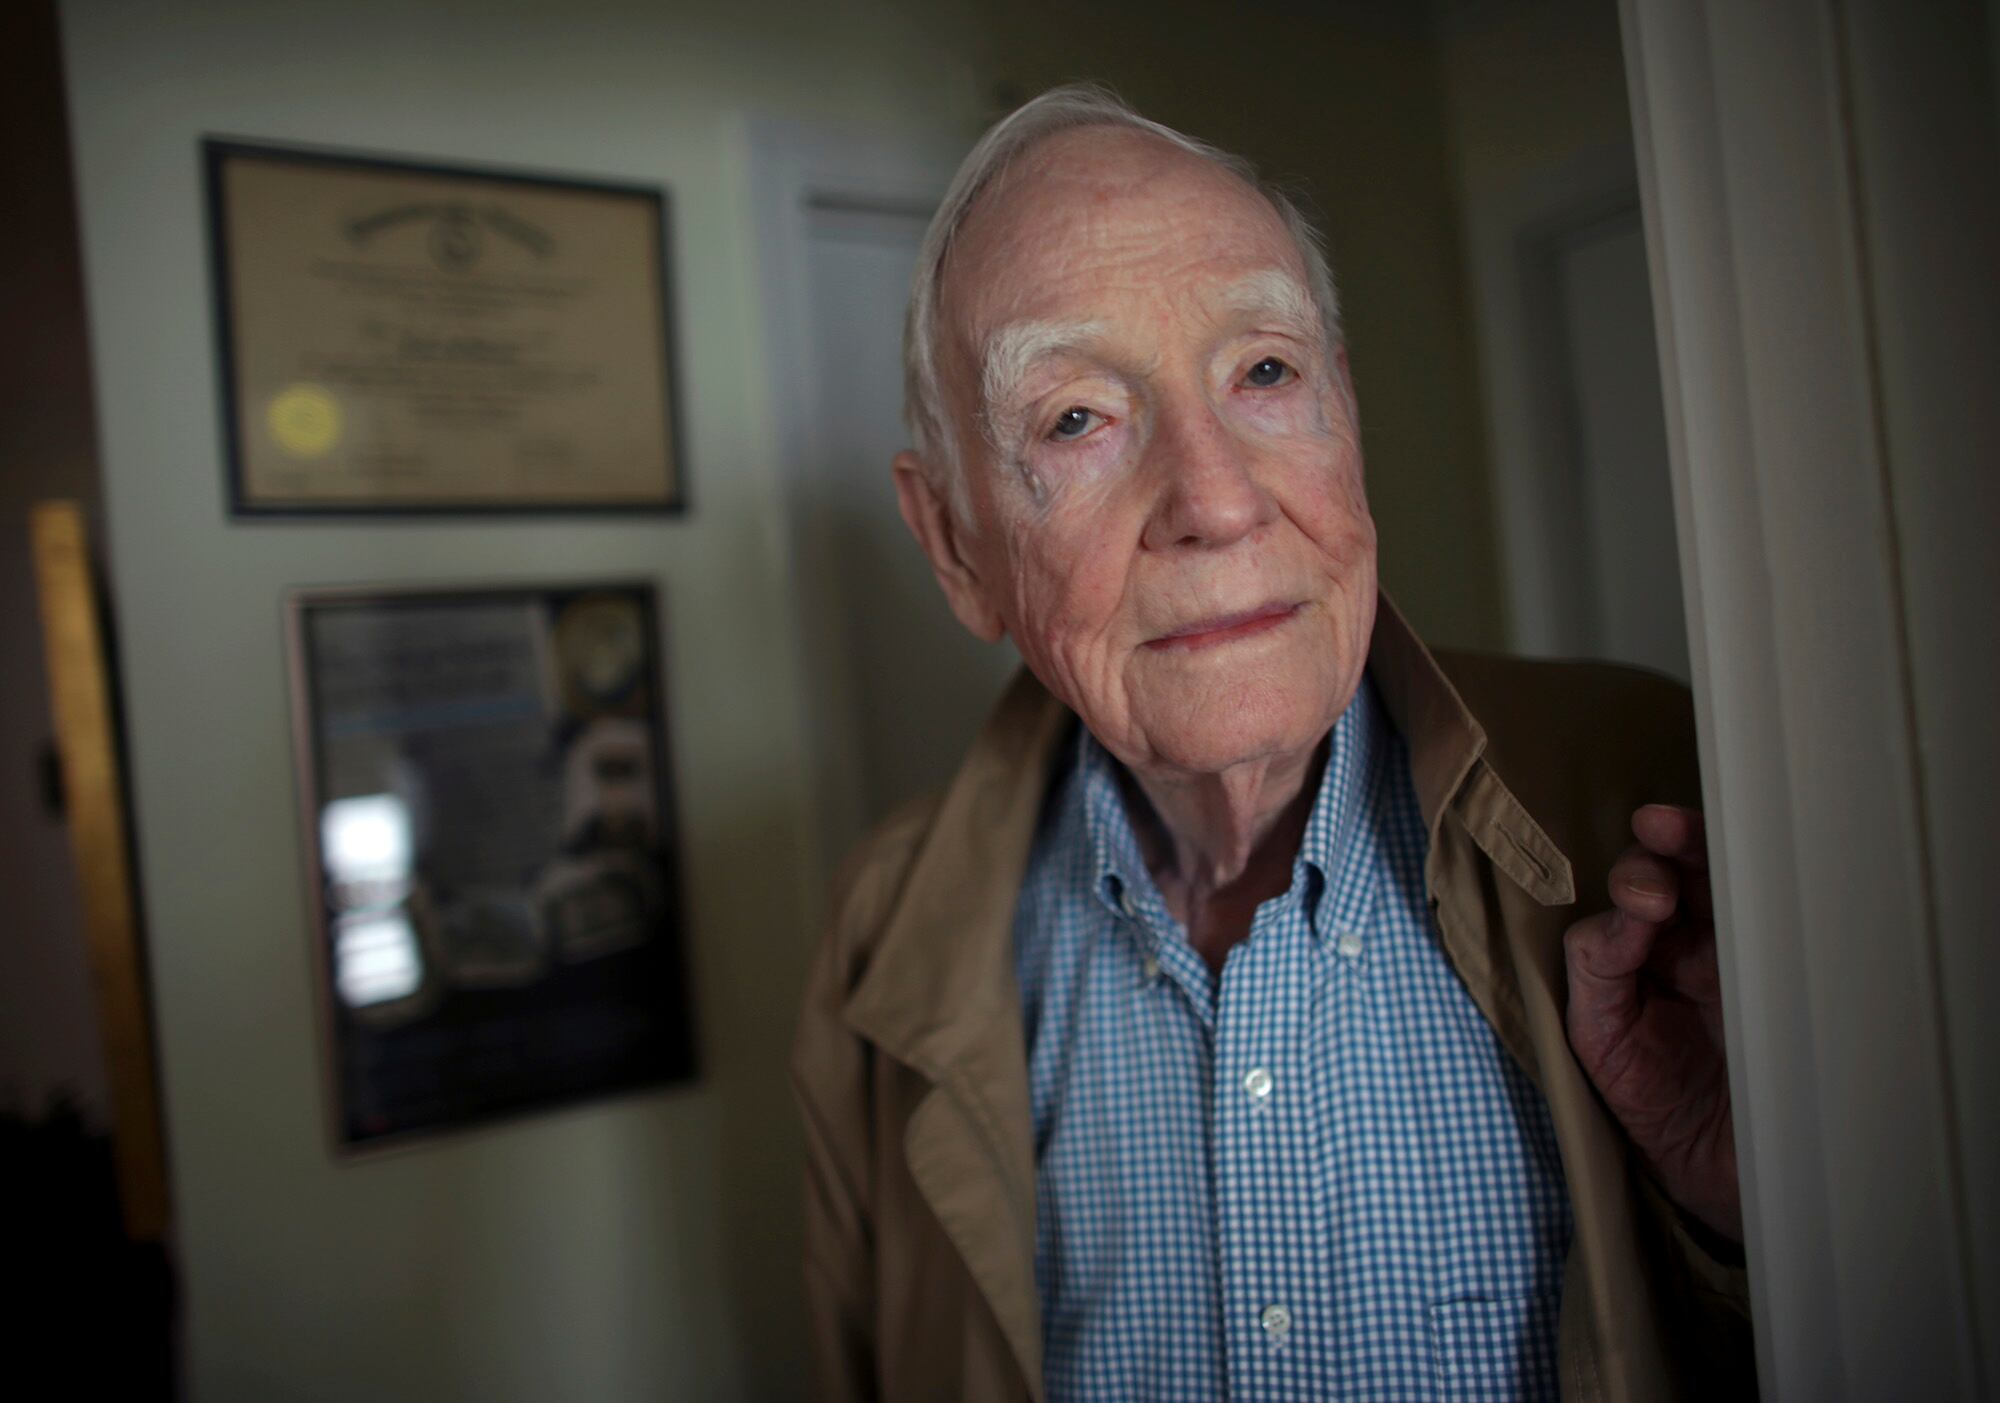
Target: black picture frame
<point x="493" y="855"/>
<point x="217" y="153"/>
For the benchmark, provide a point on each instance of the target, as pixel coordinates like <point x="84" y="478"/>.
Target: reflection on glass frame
<point x="495" y="876"/>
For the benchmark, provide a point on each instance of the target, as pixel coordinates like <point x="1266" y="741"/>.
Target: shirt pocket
<point x="1499" y="1349"/>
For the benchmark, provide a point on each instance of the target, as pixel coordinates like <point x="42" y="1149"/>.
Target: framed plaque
<point x="493" y="866"/>
<point x="397" y="337"/>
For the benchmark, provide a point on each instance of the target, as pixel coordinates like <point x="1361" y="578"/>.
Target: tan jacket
<point x="911" y="1069"/>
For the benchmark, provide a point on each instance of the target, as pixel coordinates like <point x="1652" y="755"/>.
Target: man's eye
<point x="1073" y="423"/>
<point x="1267" y="372"/>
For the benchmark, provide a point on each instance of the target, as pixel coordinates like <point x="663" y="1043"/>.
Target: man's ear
<point x="930" y="520"/>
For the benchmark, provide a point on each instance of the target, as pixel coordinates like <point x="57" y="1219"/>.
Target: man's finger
<point x="1672" y="832"/>
<point x="1608" y="949"/>
<point x="1645" y="887"/>
<point x="1604" y="954"/>
<point x="1683" y="963"/>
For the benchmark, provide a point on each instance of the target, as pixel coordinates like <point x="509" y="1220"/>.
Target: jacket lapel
<point x="1447" y="761"/>
<point x="941" y="997"/>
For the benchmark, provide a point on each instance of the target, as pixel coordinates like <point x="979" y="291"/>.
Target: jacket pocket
<point x="1501" y="1349"/>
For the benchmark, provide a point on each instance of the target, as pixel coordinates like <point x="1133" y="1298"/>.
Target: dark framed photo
<point x="494" y="865"/>
<point x="396" y="336"/>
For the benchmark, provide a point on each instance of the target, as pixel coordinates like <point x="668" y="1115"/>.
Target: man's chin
<point x="1213" y="747"/>
<point x="1240" y="725"/>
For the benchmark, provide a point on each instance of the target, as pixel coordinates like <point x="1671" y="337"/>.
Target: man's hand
<point x="1645" y="1014"/>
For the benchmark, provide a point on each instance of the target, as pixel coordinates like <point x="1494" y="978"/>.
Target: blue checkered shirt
<point x="1318" y="1175"/>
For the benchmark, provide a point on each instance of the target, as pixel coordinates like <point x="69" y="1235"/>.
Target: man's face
<point x="1163" y="464"/>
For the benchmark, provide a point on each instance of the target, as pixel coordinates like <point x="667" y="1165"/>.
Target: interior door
<point x="893" y="688"/>
<point x="918" y="684"/>
<point x="1619" y="437"/>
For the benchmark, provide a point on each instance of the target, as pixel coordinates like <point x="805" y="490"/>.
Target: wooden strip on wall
<point x="94" y="798"/>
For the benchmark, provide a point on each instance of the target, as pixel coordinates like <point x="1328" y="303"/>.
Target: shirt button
<point x="1127" y="904"/>
<point x="1149" y="970"/>
<point x="1349" y="944"/>
<point x="1258" y="1083"/>
<point x="1277" y="1321"/>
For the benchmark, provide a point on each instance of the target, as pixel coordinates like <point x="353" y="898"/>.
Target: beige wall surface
<point x="1529" y="85"/>
<point x="646" y="1247"/>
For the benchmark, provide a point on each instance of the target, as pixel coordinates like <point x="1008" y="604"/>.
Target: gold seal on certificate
<point x="407" y="338"/>
<point x="304" y="421"/>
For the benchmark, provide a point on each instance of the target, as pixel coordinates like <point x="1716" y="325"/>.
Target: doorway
<point x="893" y="688"/>
<point x="1627" y="576"/>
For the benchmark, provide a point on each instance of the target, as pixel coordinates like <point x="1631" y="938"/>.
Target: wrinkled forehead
<point x="1097" y="213"/>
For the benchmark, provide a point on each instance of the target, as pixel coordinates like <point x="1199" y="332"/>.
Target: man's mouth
<point x="1226" y="628"/>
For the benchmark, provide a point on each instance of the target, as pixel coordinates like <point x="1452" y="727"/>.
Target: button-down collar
<point x="1337" y="895"/>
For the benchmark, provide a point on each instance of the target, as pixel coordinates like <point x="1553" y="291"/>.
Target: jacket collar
<point x="1448" y="763"/>
<point x="942" y="971"/>
<point x="1444" y="740"/>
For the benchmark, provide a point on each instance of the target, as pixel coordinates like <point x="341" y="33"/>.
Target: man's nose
<point x="1210" y="495"/>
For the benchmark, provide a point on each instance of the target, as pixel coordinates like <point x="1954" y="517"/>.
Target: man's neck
<point x="1219" y="846"/>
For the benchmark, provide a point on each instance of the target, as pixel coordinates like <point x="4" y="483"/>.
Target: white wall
<point x="645" y="1248"/>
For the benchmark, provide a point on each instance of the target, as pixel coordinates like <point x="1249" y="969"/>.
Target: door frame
<point x="1513" y="238"/>
<point x="1794" y="485"/>
<point x="795" y="168"/>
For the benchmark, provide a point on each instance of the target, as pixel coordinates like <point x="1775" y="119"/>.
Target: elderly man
<point x="1242" y="1040"/>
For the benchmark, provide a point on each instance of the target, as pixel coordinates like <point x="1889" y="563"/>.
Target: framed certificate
<point x="397" y="337"/>
<point x="494" y="873"/>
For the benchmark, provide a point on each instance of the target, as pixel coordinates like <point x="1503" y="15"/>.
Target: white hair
<point x="1061" y="109"/>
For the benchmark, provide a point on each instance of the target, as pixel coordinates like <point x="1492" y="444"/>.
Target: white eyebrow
<point x="1017" y="348"/>
<point x="1278" y="294"/>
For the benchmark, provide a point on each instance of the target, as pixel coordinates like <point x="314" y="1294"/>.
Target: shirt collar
<point x="1348" y="786"/>
<point x="1118" y="875"/>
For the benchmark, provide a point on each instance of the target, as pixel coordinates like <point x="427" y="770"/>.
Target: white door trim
<point x="1854" y="1185"/>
